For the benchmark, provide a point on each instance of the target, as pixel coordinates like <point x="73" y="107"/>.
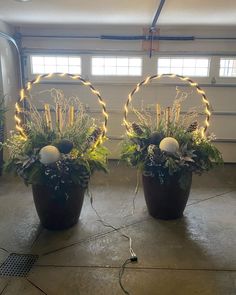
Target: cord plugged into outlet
<point x="133" y="258"/>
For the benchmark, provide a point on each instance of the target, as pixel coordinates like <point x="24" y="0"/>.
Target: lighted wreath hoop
<point x="186" y="79"/>
<point x="19" y="106"/>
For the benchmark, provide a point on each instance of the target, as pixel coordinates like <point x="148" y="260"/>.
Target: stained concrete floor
<point x="192" y="255"/>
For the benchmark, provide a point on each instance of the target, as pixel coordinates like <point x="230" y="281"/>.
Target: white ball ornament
<point x="49" y="154"/>
<point x="169" y="144"/>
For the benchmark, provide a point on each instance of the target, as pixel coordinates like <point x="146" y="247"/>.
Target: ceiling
<point x="122" y="12"/>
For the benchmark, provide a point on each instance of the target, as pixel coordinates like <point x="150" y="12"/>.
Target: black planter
<point x="167" y="200"/>
<point x="58" y="211"/>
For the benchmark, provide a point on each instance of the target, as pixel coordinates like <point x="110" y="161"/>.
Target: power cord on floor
<point x="135" y="194"/>
<point x="136" y="190"/>
<point x="121" y="272"/>
<point x="133" y="256"/>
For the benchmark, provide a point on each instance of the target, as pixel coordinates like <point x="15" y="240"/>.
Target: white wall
<point x="115" y="90"/>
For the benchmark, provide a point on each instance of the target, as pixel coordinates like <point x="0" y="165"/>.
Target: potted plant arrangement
<point x="57" y="157"/>
<point x="168" y="152"/>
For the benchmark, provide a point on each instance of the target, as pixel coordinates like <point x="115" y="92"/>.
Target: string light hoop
<point x="182" y="78"/>
<point x="20" y="109"/>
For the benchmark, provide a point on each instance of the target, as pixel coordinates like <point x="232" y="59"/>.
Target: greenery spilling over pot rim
<point x="169" y="149"/>
<point x="72" y="158"/>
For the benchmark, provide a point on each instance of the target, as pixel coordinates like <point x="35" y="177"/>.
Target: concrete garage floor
<point x="192" y="255"/>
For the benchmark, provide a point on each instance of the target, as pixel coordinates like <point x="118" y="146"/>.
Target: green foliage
<point x="141" y="150"/>
<point x="73" y="168"/>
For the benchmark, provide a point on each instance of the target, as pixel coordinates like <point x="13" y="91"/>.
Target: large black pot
<point x="167" y="200"/>
<point x="58" y="210"/>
